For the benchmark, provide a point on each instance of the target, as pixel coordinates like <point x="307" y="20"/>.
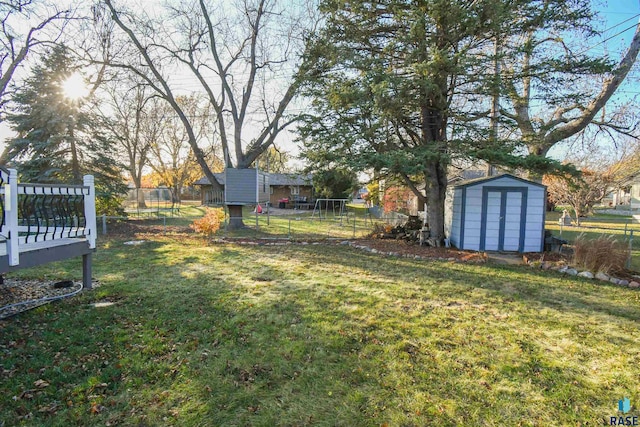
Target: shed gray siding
<point x="499" y="213"/>
<point x="264" y="191"/>
<point x="245" y="186"/>
<point x="453" y="217"/>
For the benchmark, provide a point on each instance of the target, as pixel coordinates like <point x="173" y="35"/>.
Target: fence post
<point x="11" y="217"/>
<point x="289" y="228"/>
<point x="630" y="249"/>
<point x="354" y="225"/>
<point x="104" y="223"/>
<point x="90" y="211"/>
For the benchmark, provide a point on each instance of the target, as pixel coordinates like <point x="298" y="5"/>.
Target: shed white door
<point x="504" y="212"/>
<point x="494" y="221"/>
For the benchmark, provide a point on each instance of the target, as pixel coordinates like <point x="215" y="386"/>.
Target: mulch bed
<point x="14" y="291"/>
<point x="137" y="229"/>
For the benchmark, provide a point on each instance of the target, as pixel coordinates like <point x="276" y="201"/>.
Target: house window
<point x="295" y="191"/>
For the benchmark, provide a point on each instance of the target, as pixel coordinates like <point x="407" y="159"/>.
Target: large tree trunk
<point x="436" y="192"/>
<point x="137" y="181"/>
<point x="142" y="204"/>
<point x="578" y="212"/>
<point x="235" y="217"/>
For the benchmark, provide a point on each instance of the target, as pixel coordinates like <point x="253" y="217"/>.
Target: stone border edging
<point x="600" y="276"/>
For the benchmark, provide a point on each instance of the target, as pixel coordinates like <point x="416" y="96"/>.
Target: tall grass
<point x="605" y="254"/>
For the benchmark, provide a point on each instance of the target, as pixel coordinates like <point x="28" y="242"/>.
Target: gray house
<point x="500" y="213"/>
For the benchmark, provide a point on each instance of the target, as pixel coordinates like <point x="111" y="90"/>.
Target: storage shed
<point x="500" y="213"/>
<point x="245" y="186"/>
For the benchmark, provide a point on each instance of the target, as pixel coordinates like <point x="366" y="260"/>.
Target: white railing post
<point x="90" y="211"/>
<point x="11" y="217"/>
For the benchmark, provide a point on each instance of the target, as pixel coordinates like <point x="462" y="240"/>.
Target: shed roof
<point x="484" y="180"/>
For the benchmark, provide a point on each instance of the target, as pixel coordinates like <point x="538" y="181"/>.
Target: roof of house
<point x="205" y="181"/>
<point x="275" y="179"/>
<point x="290" y="179"/>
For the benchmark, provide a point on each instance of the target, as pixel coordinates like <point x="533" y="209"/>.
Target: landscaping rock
<point x="545" y="266"/>
<point x="563" y="269"/>
<point x="623" y="282"/>
<point x="602" y="276"/>
<point x="586" y="275"/>
<point x="572" y="272"/>
<point x="634" y="285"/>
<point x="614" y="281"/>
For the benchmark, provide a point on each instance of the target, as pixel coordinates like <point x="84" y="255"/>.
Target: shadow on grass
<point x="545" y="288"/>
<point x="307" y="335"/>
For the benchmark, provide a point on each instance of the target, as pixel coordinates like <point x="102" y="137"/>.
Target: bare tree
<point x="24" y="25"/>
<point x="242" y="56"/>
<point x="549" y="78"/>
<point x="171" y="157"/>
<point x="581" y="193"/>
<point x="273" y="160"/>
<point x="128" y="117"/>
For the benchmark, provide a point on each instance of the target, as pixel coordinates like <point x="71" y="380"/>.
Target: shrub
<point x="210" y="222"/>
<point x="605" y="254"/>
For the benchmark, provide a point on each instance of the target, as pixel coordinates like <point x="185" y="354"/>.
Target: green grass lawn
<point x="224" y="335"/>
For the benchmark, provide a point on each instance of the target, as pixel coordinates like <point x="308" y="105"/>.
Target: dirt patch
<point x="553" y="257"/>
<point x="137" y="228"/>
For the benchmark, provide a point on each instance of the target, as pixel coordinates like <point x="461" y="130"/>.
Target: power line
<point x="608" y="38"/>
<point x="620" y="23"/>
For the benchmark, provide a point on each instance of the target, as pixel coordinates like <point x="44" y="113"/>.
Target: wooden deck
<point x="44" y="223"/>
<point x="32" y="254"/>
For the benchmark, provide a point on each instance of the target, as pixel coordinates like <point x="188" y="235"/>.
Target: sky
<point x="619" y="18"/>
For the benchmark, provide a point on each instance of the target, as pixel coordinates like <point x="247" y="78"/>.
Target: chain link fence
<point x="272" y="223"/>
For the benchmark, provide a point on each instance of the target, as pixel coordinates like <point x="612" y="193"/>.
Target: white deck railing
<point x="41" y="213"/>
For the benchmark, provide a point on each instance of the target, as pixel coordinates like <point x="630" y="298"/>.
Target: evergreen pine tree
<point x="60" y="139"/>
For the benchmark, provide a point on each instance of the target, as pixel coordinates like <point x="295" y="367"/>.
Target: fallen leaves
<point x="41" y="384"/>
<point x="96" y="408"/>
